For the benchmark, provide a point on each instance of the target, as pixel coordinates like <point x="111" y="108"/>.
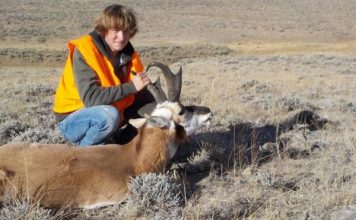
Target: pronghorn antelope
<point x="60" y="175"/>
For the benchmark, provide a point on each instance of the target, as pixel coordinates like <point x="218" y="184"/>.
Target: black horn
<point x="156" y="90"/>
<point x="174" y="81"/>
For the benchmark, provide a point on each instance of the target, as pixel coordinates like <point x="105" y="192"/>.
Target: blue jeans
<point x="90" y="126"/>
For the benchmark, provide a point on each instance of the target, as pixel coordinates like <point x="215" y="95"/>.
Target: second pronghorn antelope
<point x="59" y="175"/>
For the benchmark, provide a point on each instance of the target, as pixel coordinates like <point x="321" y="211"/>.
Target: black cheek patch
<point x="180" y="132"/>
<point x="182" y="111"/>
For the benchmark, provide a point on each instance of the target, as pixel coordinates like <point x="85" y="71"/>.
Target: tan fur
<point x="60" y="175"/>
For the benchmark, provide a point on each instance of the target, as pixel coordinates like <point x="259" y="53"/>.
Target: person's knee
<point x="109" y="117"/>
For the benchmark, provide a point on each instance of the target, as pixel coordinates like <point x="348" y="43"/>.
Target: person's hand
<point x="140" y="81"/>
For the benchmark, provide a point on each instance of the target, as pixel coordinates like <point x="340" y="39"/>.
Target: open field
<point x="279" y="75"/>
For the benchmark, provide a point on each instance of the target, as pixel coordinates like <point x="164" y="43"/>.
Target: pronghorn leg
<point x="3" y="177"/>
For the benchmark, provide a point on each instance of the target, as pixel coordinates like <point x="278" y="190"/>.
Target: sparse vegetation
<point x="257" y="72"/>
<point x="158" y="192"/>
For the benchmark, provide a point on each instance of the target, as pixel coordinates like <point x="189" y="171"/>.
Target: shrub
<point x="21" y="209"/>
<point x="155" y="196"/>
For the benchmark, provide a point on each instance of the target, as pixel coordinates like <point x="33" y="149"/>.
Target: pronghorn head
<point x="192" y="118"/>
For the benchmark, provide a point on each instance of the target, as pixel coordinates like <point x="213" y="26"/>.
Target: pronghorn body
<point x="84" y="177"/>
<point x="59" y="175"/>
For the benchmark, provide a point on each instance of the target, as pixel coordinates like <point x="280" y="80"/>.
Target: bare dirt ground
<point x="280" y="76"/>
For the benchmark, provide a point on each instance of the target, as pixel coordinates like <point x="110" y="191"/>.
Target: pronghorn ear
<point x="137" y="122"/>
<point x="157" y="121"/>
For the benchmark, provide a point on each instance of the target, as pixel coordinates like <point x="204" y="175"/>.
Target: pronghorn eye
<point x="182" y="111"/>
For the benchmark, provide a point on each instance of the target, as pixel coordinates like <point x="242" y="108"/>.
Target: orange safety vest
<point x="67" y="98"/>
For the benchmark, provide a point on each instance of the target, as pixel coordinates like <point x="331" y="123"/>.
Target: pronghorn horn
<point x="156" y="90"/>
<point x="174" y="81"/>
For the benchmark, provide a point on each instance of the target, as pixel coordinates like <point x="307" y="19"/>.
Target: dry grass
<point x="254" y="63"/>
